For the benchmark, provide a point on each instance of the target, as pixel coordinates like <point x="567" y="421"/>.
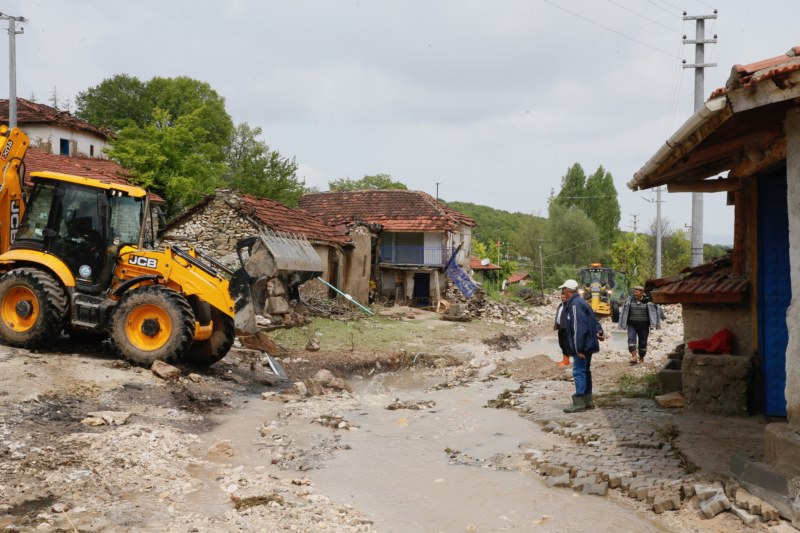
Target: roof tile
<point x="395" y="210"/>
<point x="32" y="113"/>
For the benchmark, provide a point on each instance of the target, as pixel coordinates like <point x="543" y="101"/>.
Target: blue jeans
<point x="582" y="372"/>
<point x="642" y="333"/>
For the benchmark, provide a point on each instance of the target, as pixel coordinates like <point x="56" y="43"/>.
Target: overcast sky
<point x="492" y="100"/>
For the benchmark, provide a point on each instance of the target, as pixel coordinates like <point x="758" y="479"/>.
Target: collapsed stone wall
<point x="214" y="229"/>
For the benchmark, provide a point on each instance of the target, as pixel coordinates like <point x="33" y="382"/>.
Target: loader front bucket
<point x="269" y="255"/>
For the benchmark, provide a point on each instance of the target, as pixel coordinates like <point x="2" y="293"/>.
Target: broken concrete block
<point x="747" y="501"/>
<point x="596" y="489"/>
<point x="165" y="371"/>
<point x="555" y="470"/>
<point x="706" y="492"/>
<point x="715" y="505"/>
<point x="277" y="305"/>
<point x="663" y="503"/>
<point x="746" y="518"/>
<point x="579" y="482"/>
<point x="275" y="287"/>
<point x="769" y="513"/>
<point x="558" y="481"/>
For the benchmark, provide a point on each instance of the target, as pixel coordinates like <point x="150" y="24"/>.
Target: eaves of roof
<point x="733" y="129"/>
<point x="707" y="284"/>
<point x="34" y="113"/>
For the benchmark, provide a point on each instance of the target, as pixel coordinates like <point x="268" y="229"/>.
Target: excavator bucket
<point x="269" y="255"/>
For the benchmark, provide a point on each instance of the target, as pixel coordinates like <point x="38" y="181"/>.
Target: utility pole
<point x="437" y="190"/>
<point x="658" y="229"/>
<point x="12" y="65"/>
<point x="541" y="268"/>
<point x="699" y="71"/>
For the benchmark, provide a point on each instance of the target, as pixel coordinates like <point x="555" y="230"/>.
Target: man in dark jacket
<point x="638" y="315"/>
<point x="585" y="332"/>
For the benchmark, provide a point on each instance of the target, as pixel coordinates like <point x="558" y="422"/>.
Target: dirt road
<point x="89" y="443"/>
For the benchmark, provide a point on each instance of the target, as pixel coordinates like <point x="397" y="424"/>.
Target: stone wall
<point x="720" y="384"/>
<point x="213" y="229"/>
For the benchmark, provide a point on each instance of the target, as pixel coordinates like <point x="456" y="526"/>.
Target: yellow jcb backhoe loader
<point x="73" y="258"/>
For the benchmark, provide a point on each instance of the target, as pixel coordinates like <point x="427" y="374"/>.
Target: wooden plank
<point x="695" y="298"/>
<point x="717" y="185"/>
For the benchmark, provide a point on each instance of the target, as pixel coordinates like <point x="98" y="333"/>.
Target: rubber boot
<point x="578" y="405"/>
<point x="564" y="362"/>
<point x="634" y="357"/>
<point x="588" y="400"/>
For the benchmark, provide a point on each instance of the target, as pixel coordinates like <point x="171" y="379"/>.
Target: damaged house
<point x="218" y="222"/>
<point x="745" y="142"/>
<point x="412" y="238"/>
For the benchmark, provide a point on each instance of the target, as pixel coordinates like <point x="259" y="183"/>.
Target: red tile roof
<point x="32" y="113"/>
<point x="708" y="283"/>
<point x="105" y="170"/>
<point x="278" y="217"/>
<point x="754" y="73"/>
<point x="516" y="278"/>
<point x="475" y="264"/>
<point x="395" y="210"/>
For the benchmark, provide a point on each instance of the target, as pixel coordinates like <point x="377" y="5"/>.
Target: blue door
<point x="774" y="293"/>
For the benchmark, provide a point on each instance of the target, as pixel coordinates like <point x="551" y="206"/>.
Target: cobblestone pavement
<point x="660" y="457"/>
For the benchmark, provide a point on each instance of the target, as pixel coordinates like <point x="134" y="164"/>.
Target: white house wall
<point x="49" y="138"/>
<point x="432" y="241"/>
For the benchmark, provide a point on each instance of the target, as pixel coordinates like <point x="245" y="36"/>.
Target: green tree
<point x="115" y="103"/>
<point x="631" y="253"/>
<point x="601" y="204"/>
<point x="571" y="238"/>
<point x="254" y="168"/>
<point x="676" y="252"/>
<point x="374" y="182"/>
<point x="494" y="224"/>
<point x="170" y="157"/>
<point x="573" y="188"/>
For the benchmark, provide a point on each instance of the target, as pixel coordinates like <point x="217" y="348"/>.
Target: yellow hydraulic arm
<point x="15" y="144"/>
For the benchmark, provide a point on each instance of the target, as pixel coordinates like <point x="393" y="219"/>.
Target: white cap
<point x="570" y="284"/>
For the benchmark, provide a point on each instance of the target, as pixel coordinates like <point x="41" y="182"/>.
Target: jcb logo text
<point x="147" y="262"/>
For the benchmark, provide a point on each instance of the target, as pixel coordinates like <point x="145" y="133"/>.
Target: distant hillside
<point x="493" y="224"/>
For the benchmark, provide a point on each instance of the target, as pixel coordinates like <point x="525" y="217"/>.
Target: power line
<point x="645" y="17"/>
<point x="671" y="5"/>
<point x="609" y="29"/>
<point x="662" y="7"/>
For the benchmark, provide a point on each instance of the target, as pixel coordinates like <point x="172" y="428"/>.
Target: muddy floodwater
<point x="398" y="467"/>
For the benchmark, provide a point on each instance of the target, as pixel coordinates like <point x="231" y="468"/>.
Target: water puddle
<point x="398" y="472"/>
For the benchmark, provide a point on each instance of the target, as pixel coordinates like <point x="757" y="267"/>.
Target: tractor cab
<point x="602" y="287"/>
<point x="82" y="222"/>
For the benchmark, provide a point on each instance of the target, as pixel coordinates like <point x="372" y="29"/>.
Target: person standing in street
<point x="638" y="315"/>
<point x="561" y="326"/>
<point x="583" y="335"/>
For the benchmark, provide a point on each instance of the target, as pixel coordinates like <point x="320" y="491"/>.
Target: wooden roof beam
<point x="717" y="185"/>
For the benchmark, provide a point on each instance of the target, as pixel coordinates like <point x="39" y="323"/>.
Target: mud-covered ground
<point x="90" y="443"/>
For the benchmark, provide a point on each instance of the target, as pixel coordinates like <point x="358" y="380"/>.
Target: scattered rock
<point x="221" y="449"/>
<point x="165" y="371"/>
<point x="112" y="418"/>
<point x="338" y="384"/>
<point x="746" y="518"/>
<point x="670" y="400"/>
<point x="324" y="376"/>
<point x="59" y="508"/>
<point x="195" y="378"/>
<point x="410" y="404"/>
<point x="312" y="345"/>
<point x="715" y="505"/>
<point x="299" y="388"/>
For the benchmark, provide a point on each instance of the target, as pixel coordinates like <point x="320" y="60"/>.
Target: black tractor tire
<point x="152" y="323"/>
<point x="33" y="308"/>
<point x="615" y="312"/>
<point x="207" y="352"/>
